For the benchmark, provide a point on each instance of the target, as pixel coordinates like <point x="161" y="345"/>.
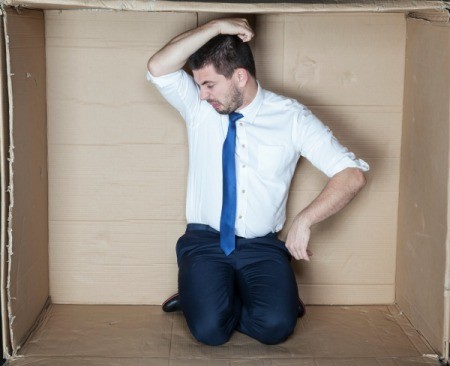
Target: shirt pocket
<point x="270" y="159"/>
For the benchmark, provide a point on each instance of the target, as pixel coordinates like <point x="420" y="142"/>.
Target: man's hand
<point x="298" y="239"/>
<point x="235" y="26"/>
<point x="338" y="192"/>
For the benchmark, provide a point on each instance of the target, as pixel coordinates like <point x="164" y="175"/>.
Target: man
<point x="244" y="143"/>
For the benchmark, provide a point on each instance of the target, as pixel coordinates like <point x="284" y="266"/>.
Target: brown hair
<point x="226" y="53"/>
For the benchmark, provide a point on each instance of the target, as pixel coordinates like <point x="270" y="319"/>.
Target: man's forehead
<point x="207" y="74"/>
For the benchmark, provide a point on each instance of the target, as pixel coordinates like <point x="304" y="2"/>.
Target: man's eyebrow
<point x="207" y="82"/>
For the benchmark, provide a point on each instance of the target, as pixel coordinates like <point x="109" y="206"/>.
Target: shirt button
<point x="243" y="191"/>
<point x="243" y="146"/>
<point x="241" y="124"/>
<point x="243" y="166"/>
<point x="240" y="217"/>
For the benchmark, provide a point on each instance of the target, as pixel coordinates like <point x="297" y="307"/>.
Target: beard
<point x="233" y="102"/>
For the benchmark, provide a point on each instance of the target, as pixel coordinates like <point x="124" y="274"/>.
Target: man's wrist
<point x="303" y="221"/>
<point x="214" y="26"/>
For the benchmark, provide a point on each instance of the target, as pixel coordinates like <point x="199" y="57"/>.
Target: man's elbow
<point x="154" y="67"/>
<point x="358" y="179"/>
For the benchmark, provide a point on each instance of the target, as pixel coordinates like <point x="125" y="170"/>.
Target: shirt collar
<point x="249" y="112"/>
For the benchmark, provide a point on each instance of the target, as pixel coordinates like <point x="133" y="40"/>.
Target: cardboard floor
<point x="87" y="335"/>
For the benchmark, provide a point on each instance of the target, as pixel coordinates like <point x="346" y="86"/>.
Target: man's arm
<point x="338" y="192"/>
<point x="174" y="55"/>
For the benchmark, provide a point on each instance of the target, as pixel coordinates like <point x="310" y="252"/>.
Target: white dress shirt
<point x="274" y="132"/>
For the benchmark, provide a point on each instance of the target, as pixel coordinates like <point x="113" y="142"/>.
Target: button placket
<point x="242" y="176"/>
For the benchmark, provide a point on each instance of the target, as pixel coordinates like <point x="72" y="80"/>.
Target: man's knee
<point x="211" y="332"/>
<point x="274" y="329"/>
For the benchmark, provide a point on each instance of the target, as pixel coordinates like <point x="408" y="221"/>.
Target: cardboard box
<point x="94" y="164"/>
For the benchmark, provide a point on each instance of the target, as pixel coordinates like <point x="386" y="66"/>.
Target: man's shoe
<point x="301" y="308"/>
<point x="172" y="304"/>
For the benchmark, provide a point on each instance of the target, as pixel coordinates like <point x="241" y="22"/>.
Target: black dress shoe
<point x="172" y="304"/>
<point x="301" y="308"/>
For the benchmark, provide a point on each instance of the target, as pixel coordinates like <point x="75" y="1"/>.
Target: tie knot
<point x="234" y="116"/>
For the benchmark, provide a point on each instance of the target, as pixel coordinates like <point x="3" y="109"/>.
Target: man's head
<point x="224" y="68"/>
<point x="226" y="53"/>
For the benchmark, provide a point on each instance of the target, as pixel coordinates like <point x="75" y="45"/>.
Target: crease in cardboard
<point x="9" y="245"/>
<point x="419" y="341"/>
<point x="446" y="330"/>
<point x="446" y="340"/>
<point x="432" y="16"/>
<point x="41" y="322"/>
<point x="446" y="337"/>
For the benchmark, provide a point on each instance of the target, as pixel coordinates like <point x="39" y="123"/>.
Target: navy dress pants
<point x="253" y="290"/>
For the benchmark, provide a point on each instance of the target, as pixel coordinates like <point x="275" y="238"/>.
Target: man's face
<point x="223" y="94"/>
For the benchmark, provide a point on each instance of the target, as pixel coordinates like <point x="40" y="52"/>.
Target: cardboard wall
<point x="423" y="204"/>
<point x="117" y="159"/>
<point x="117" y="150"/>
<point x="4" y="169"/>
<point x="27" y="251"/>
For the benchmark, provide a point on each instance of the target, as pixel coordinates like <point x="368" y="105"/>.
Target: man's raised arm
<point x="174" y="54"/>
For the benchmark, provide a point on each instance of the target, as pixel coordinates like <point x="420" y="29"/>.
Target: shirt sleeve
<point x="180" y="90"/>
<point x="316" y="143"/>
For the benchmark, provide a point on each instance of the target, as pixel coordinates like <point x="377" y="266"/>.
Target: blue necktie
<point x="228" y="216"/>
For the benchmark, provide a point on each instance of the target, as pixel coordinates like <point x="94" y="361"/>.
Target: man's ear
<point x="241" y="76"/>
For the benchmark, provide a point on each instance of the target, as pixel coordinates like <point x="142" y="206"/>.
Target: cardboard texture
<point x="143" y="335"/>
<point x="27" y="249"/>
<point x="117" y="159"/>
<point x="423" y="206"/>
<point x="100" y="226"/>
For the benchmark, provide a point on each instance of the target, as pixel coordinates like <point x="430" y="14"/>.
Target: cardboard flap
<point x="4" y="169"/>
<point x="27" y="279"/>
<point x="239" y="7"/>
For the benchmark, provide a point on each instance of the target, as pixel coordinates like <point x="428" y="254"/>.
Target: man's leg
<point x="206" y="283"/>
<point x="268" y="291"/>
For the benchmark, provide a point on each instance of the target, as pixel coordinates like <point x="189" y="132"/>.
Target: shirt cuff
<point x="164" y="80"/>
<point x="348" y="161"/>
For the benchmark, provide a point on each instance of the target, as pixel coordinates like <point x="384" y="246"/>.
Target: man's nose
<point x="204" y="94"/>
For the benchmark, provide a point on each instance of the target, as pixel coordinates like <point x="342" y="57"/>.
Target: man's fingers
<point x="246" y="34"/>
<point x="245" y="37"/>
<point x="292" y="249"/>
<point x="297" y="252"/>
<point x="238" y="26"/>
<point x="305" y="255"/>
